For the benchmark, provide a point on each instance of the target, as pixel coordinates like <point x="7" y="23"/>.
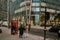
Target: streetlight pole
<point x="26" y="13"/>
<point x="8" y="13"/>
<point x="30" y="11"/>
<point x="45" y="26"/>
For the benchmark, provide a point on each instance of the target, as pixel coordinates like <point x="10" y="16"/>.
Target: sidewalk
<point x="6" y="35"/>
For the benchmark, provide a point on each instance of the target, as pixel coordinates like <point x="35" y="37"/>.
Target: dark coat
<point x="21" y="30"/>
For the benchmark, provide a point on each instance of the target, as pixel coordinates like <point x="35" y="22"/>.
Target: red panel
<point x="14" y="22"/>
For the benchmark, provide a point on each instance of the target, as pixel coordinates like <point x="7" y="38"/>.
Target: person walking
<point x="21" y="31"/>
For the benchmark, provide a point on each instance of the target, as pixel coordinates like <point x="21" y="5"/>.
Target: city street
<point x="37" y="19"/>
<point x="6" y="35"/>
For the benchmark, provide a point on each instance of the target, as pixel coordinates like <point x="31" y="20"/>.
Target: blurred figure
<point x="21" y="30"/>
<point x="29" y="27"/>
<point x="0" y="23"/>
<point x="0" y="30"/>
<point x="13" y="29"/>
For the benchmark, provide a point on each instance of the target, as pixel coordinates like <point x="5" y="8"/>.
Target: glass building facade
<point x="52" y="8"/>
<point x="20" y="11"/>
<point x="3" y="8"/>
<point x="34" y="11"/>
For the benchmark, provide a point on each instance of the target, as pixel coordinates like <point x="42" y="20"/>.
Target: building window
<point x="35" y="4"/>
<point x="35" y="0"/>
<point x="35" y="9"/>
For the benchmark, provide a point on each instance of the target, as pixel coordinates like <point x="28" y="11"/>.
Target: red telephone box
<point x="14" y="23"/>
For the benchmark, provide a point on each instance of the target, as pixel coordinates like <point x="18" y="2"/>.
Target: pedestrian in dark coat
<point x="21" y="30"/>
